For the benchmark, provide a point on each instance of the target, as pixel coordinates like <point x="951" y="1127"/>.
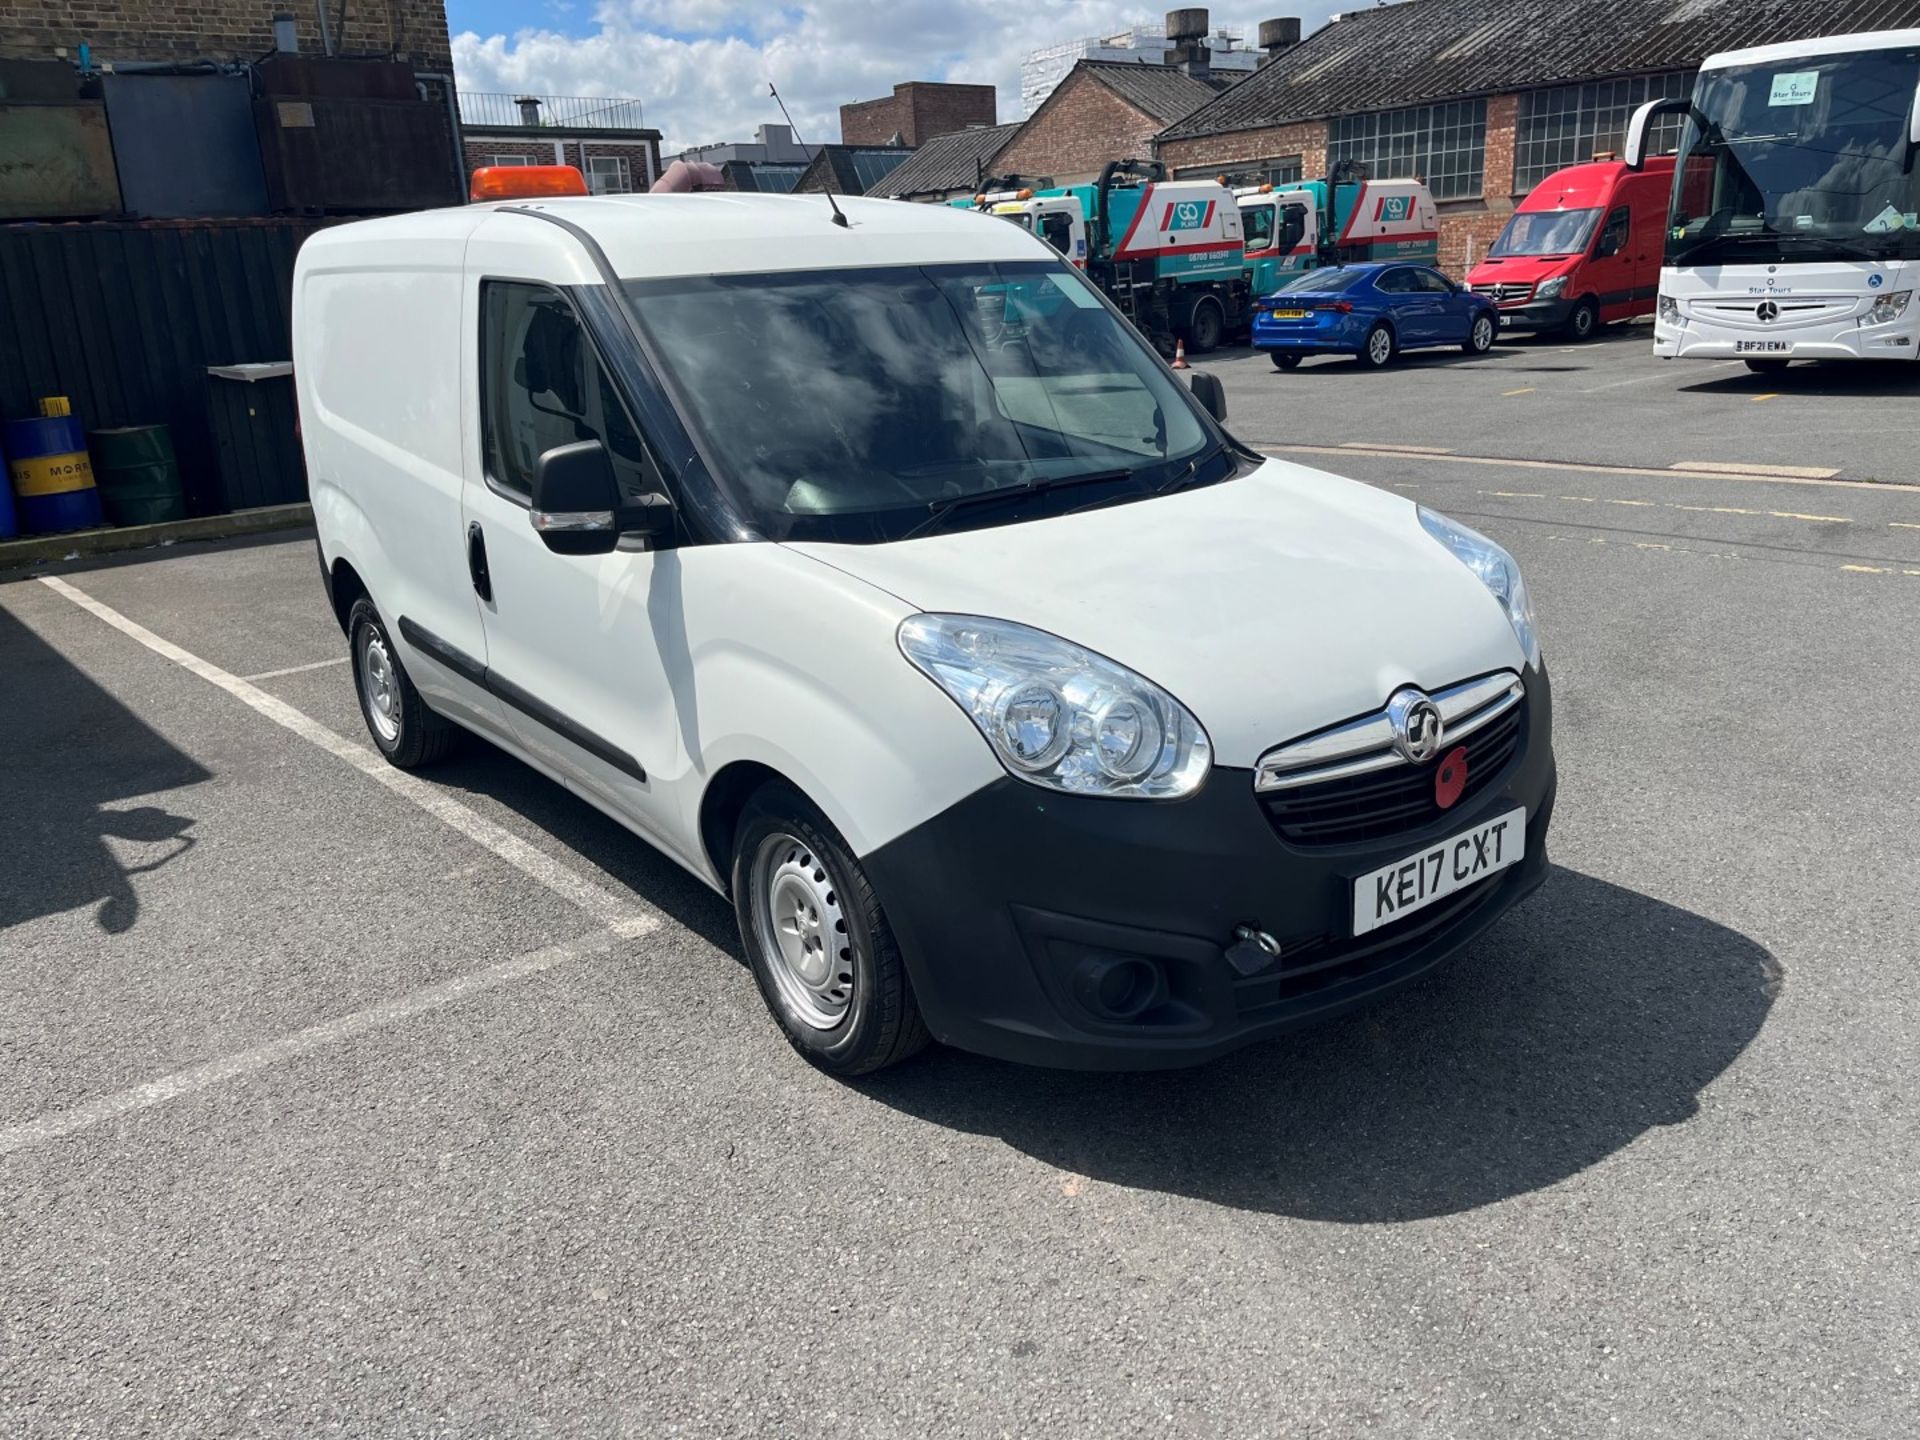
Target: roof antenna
<point x="839" y="216"/>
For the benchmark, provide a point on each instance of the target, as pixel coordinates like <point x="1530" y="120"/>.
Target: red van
<point x="1583" y="250"/>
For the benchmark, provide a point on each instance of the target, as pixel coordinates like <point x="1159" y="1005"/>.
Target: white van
<point x="886" y="579"/>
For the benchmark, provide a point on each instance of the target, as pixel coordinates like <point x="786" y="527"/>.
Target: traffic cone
<point x="1180" y="355"/>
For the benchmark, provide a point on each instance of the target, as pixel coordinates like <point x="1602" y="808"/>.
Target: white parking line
<point x="1657" y="375"/>
<point x="596" y="900"/>
<point x="328" y="1032"/>
<point x="297" y="669"/>
<point x="1582" y="466"/>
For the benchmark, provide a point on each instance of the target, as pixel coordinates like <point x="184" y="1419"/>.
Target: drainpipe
<point x="420" y="80"/>
<point x="326" y="29"/>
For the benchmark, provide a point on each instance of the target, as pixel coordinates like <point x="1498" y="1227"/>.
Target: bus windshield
<point x="1799" y="159"/>
<point x="1546" y="232"/>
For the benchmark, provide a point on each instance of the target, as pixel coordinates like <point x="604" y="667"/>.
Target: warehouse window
<point x="1444" y="145"/>
<point x="1275" y="170"/>
<point x="1567" y="125"/>
<point x="509" y="160"/>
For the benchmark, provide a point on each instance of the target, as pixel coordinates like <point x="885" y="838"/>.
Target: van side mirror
<point x="576" y="502"/>
<point x="1211" y="394"/>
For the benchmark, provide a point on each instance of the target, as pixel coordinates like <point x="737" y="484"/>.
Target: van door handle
<point x="477" y="563"/>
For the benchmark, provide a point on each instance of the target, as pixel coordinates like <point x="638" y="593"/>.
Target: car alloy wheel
<point x="1379" y="346"/>
<point x="1481" y="339"/>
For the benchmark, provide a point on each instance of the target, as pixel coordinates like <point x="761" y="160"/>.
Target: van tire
<point x="786" y="852"/>
<point x="404" y="730"/>
<point x="1206" y="325"/>
<point x="1584" y="322"/>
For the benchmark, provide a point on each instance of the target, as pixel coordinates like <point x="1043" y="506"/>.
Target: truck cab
<point x="1583" y="250"/>
<point x="1342" y="219"/>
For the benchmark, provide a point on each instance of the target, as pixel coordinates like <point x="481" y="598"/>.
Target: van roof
<point x="727" y="232"/>
<point x="1579" y="186"/>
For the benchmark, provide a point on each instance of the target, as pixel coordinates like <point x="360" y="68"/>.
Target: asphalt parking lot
<point x="339" y="1101"/>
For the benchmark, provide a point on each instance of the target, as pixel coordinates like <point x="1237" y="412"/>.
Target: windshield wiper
<point x="938" y="510"/>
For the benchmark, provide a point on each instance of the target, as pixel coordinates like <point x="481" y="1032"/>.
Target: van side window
<point x="1613" y="239"/>
<point x="542" y="385"/>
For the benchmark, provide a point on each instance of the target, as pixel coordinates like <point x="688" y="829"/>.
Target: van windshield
<point x="864" y="405"/>
<point x="1546" y="232"/>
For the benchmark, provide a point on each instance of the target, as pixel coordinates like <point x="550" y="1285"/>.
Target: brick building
<point x="950" y="167"/>
<point x="916" y="112"/>
<point x="602" y="138"/>
<point x="411" y="30"/>
<point x="1104" y="110"/>
<point x="1482" y="99"/>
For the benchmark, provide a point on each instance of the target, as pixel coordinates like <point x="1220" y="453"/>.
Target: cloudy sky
<point x="700" y="67"/>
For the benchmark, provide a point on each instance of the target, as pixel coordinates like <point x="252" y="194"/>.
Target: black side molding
<point x="527" y="703"/>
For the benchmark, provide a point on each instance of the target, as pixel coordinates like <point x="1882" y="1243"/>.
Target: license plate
<point x="1763" y="347"/>
<point x="1289" y="314"/>
<point x="1382" y="897"/>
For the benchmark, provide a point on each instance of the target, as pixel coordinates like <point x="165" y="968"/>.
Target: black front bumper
<point x="1536" y="315"/>
<point x="1005" y="904"/>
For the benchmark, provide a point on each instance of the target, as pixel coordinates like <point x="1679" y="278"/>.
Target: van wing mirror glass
<point x="1641" y="125"/>
<point x="1208" y="390"/>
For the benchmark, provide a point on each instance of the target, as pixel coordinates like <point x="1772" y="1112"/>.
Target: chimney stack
<point x="286" y="39"/>
<point x="1187" y="29"/>
<point x="1280" y="35"/>
<point x="529" y="109"/>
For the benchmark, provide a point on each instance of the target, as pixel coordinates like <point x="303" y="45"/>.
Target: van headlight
<point x="1550" y="289"/>
<point x="1497" y="570"/>
<point x="1889" y="308"/>
<point x="1060" y="716"/>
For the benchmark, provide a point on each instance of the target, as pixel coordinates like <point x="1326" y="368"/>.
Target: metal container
<point x="256" y="435"/>
<point x="52" y="476"/>
<point x="137" y="475"/>
<point x="185" y="145"/>
<point x="58" y="161"/>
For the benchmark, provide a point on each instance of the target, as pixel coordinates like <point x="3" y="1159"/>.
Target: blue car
<point x="1373" y="312"/>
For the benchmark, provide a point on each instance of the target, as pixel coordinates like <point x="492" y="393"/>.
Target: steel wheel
<point x="1584" y="321"/>
<point x="802" y="932"/>
<point x="379" y="685"/>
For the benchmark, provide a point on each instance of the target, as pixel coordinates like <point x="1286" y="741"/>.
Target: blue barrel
<point x="8" y="529"/>
<point x="52" y="476"/>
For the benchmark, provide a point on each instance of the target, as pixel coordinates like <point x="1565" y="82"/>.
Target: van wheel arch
<point x="721" y="805"/>
<point x="346" y="588"/>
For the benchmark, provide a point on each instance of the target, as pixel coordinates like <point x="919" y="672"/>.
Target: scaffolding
<point x="1045" y="68"/>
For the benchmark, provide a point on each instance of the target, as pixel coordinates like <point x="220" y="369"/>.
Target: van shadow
<point x="1586" y="1018"/>
<point x="69" y="752"/>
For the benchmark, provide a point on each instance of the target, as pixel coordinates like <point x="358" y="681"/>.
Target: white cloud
<point x="700" y="67"/>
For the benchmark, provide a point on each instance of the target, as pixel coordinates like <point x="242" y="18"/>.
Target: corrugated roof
<point x="949" y="162"/>
<point x="1424" y="50"/>
<point x="854" y="168"/>
<point x="1164" y="92"/>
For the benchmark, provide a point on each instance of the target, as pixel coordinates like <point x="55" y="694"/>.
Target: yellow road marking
<point x="1534" y="495"/>
<point x="1523" y="390"/>
<point x="1770" y="395"/>
<point x="1903" y="525"/>
<point x="1403" y="449"/>
<point x="1633" y="502"/>
<point x="1865" y="570"/>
